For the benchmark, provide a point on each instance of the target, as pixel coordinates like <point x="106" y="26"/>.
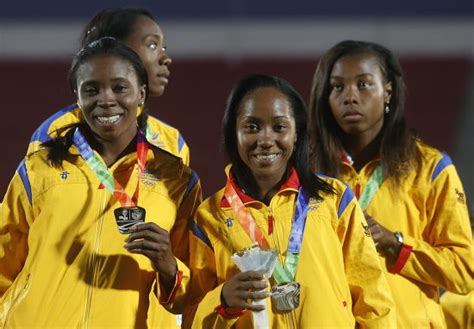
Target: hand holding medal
<point x="153" y="242"/>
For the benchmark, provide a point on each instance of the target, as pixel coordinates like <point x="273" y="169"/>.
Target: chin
<point x="156" y="91"/>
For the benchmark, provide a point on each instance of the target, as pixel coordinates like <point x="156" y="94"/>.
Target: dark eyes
<point x="155" y="46"/>
<point x="120" y="88"/>
<point x="339" y="87"/>
<point x="253" y="127"/>
<point x="89" y="90"/>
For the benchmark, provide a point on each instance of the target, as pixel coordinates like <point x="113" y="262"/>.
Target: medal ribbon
<point x="371" y="188"/>
<point x="281" y="273"/>
<point x="101" y="171"/>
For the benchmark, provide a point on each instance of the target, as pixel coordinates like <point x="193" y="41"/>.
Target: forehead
<point x="357" y="64"/>
<point x="143" y="27"/>
<point x="105" y="67"/>
<point x="265" y="102"/>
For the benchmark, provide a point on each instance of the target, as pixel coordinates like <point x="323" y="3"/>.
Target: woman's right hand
<point x="244" y="287"/>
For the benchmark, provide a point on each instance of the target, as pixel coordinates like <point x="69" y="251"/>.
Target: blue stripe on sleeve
<point x="181" y="143"/>
<point x="200" y="234"/>
<point x="41" y="134"/>
<point x="443" y="163"/>
<point x="192" y="182"/>
<point x="24" y="178"/>
<point x="345" y="200"/>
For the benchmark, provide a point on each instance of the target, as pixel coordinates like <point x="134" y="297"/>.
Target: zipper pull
<point x="357" y="188"/>
<point x="270" y="224"/>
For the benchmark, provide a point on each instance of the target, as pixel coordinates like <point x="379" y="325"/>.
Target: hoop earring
<point x="387" y="108"/>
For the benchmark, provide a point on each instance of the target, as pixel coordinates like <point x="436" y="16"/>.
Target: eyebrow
<point x="357" y="76"/>
<point x="255" y="118"/>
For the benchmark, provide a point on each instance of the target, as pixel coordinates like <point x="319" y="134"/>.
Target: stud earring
<point x="387" y="108"/>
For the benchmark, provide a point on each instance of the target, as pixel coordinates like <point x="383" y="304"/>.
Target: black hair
<point x="113" y="22"/>
<point x="300" y="157"/>
<point x="58" y="147"/>
<point x="398" y="143"/>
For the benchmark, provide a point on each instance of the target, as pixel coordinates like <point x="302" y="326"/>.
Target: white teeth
<point x="108" y="120"/>
<point x="266" y="157"/>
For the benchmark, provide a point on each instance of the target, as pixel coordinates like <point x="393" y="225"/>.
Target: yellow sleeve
<point x="373" y="305"/>
<point x="16" y="216"/>
<point x="184" y="153"/>
<point x="66" y="116"/>
<point x="205" y="291"/>
<point x="445" y="257"/>
<point x="179" y="238"/>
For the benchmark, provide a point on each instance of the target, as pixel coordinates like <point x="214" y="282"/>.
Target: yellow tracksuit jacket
<point x="342" y="281"/>
<point x="62" y="260"/>
<point x="429" y="208"/>
<point x="161" y="134"/>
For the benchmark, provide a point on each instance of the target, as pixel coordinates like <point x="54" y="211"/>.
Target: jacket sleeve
<point x="179" y="237"/>
<point x="205" y="290"/>
<point x="184" y="151"/>
<point x="372" y="302"/>
<point x="16" y="217"/>
<point x="445" y="257"/>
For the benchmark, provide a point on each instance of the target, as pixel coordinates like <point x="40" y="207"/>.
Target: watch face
<point x="399" y="237"/>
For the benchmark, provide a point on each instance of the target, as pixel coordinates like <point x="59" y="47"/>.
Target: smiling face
<point x="266" y="133"/>
<point x="108" y="94"/>
<point x="147" y="40"/>
<point x="358" y="95"/>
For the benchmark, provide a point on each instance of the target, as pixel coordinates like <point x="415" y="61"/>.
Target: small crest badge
<point x="64" y="175"/>
<point x="460" y="196"/>
<point x="229" y="222"/>
<point x="366" y="230"/>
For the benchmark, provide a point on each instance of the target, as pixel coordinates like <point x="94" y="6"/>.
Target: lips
<point x="352" y="115"/>
<point x="108" y="119"/>
<point x="266" y="157"/>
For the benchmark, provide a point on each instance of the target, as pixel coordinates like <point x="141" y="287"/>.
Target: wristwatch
<point x="396" y="250"/>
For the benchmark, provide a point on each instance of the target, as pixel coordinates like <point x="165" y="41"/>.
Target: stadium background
<point x="215" y="42"/>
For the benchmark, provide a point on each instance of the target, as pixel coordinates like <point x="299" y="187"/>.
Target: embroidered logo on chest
<point x="149" y="177"/>
<point x="64" y="175"/>
<point x="313" y="204"/>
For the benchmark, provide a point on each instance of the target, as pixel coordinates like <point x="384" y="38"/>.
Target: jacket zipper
<point x="20" y="295"/>
<point x="92" y="263"/>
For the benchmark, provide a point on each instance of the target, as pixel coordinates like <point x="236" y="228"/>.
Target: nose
<point x="165" y="59"/>
<point x="106" y="99"/>
<point x="266" y="138"/>
<point x="351" y="95"/>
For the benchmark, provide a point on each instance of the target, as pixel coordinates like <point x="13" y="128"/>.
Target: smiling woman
<point x="69" y="202"/>
<point x="109" y="94"/>
<point x="272" y="202"/>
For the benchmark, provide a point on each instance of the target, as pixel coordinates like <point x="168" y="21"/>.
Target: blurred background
<point x="215" y="42"/>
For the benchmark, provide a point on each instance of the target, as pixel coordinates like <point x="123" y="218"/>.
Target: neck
<point x="362" y="149"/>
<point x="268" y="186"/>
<point x="112" y="150"/>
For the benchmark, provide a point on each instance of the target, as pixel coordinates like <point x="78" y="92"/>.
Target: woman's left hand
<point x="383" y="238"/>
<point x="152" y="241"/>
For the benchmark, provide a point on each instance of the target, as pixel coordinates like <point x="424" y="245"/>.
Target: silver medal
<point x="128" y="217"/>
<point x="286" y="296"/>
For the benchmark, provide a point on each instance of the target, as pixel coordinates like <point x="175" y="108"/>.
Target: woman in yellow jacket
<point x="138" y="29"/>
<point x="411" y="194"/>
<point x="331" y="264"/>
<point x="64" y="262"/>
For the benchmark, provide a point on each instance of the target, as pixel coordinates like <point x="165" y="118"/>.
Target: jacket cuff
<point x="229" y="313"/>
<point x="402" y="258"/>
<point x="164" y="298"/>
